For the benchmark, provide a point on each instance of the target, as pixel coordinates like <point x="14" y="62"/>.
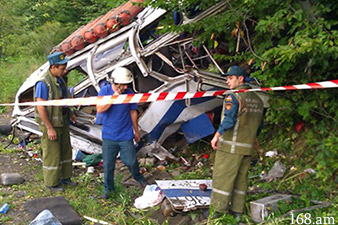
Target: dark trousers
<point x="110" y="149"/>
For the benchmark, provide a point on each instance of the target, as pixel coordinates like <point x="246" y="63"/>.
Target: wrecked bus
<point x="160" y="63"/>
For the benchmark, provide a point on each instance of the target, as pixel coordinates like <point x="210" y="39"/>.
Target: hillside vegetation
<point x="281" y="42"/>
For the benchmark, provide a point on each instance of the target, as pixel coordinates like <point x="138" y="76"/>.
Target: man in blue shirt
<point x="53" y="123"/>
<point x="119" y="128"/>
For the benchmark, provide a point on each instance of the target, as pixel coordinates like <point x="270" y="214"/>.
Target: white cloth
<point x="152" y="195"/>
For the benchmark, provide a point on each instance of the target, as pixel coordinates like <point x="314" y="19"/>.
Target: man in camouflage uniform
<point x="53" y="122"/>
<point x="234" y="142"/>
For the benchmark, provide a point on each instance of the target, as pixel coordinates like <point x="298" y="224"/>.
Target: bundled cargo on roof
<point x="101" y="27"/>
<point x="78" y="41"/>
<point x="65" y="45"/>
<point x="75" y="41"/>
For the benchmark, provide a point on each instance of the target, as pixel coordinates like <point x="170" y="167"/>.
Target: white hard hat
<point x="121" y="75"/>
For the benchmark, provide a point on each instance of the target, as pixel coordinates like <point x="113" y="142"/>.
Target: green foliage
<point x="31" y="44"/>
<point x="291" y="42"/>
<point x="13" y="74"/>
<point x="74" y="77"/>
<point x="30" y="27"/>
<point x="2" y="109"/>
<point x="327" y="157"/>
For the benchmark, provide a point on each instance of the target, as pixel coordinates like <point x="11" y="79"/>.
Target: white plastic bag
<point x="152" y="195"/>
<point x="45" y="218"/>
<point x="276" y="171"/>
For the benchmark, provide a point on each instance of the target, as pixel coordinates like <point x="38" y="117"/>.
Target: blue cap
<point x="57" y="58"/>
<point x="236" y="71"/>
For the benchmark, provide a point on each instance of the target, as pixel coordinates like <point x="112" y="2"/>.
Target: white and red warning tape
<point x="166" y="96"/>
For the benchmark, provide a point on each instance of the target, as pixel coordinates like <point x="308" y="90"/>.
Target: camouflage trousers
<point x="229" y="182"/>
<point x="57" y="156"/>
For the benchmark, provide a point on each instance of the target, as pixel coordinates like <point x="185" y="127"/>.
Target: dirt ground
<point x="28" y="167"/>
<point x="13" y="163"/>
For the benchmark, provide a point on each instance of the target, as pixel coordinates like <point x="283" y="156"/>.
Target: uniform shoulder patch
<point x="228" y="102"/>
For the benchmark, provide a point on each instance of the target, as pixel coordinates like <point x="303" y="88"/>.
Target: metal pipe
<point x="212" y="59"/>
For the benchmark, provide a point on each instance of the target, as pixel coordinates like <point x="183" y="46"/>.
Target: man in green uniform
<point x="53" y="122"/>
<point x="234" y="141"/>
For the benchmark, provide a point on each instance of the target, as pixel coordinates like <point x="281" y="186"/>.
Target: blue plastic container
<point x="4" y="208"/>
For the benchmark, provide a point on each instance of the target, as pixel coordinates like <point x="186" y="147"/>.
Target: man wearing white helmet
<point x="119" y="128"/>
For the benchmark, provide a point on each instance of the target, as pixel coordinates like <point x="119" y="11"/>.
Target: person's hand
<point x="137" y="136"/>
<point x="73" y="119"/>
<point x="214" y="143"/>
<point x="256" y="143"/>
<point x="116" y="89"/>
<point x="51" y="134"/>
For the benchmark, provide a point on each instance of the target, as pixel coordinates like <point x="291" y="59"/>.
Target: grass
<point x="119" y="208"/>
<point x="13" y="73"/>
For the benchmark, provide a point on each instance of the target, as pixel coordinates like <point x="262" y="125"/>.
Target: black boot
<point x="236" y="214"/>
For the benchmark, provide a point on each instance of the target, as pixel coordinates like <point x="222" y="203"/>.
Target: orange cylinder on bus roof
<point x="100" y="28"/>
<point x="66" y="48"/>
<point x="90" y="36"/>
<point x="65" y="45"/>
<point x="113" y="24"/>
<point x="129" y="11"/>
<point x="78" y="41"/>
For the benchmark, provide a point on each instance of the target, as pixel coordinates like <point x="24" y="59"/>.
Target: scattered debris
<point x="90" y="169"/>
<point x="186" y="195"/>
<point x="199" y="165"/>
<point x="93" y="159"/>
<point x="147" y="161"/>
<point x="20" y="194"/>
<point x="309" y="170"/>
<point x="167" y="209"/>
<point x="155" y="149"/>
<point x="82" y="164"/>
<point x="205" y="157"/>
<point x="203" y="187"/>
<point x="319" y="204"/>
<point x="143" y="170"/>
<point x="299" y="126"/>
<point x="78" y="155"/>
<point x="186" y="163"/>
<point x="5" y="129"/>
<point x="271" y="154"/>
<point x="11" y="178"/>
<point x="176" y="172"/>
<point x="161" y="168"/>
<point x="45" y="218"/>
<point x="58" y="206"/>
<point x="4" y="208"/>
<point x="276" y="171"/>
<point x="152" y="195"/>
<point x="263" y="207"/>
<point x="96" y="221"/>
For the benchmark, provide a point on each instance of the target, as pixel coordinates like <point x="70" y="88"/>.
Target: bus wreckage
<point x="165" y="63"/>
